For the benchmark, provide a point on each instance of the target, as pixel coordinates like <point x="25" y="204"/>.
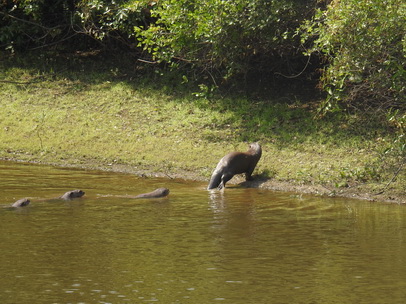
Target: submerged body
<point x="160" y="192"/>
<point x="235" y="163"/>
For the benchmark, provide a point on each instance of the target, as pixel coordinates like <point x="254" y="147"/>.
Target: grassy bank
<point x="85" y="112"/>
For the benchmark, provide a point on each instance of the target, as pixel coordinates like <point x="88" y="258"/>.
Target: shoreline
<point x="259" y="182"/>
<point x="97" y="120"/>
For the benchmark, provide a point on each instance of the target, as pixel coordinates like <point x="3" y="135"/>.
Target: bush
<point x="225" y="37"/>
<point x="221" y="38"/>
<point x="113" y="20"/>
<point x="364" y="43"/>
<point x="30" y="24"/>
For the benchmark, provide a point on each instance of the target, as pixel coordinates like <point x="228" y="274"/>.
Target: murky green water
<point x="245" y="246"/>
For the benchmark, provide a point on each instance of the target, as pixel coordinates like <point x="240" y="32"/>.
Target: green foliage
<point x="223" y="36"/>
<point x="398" y="146"/>
<point x="364" y="43"/>
<point x="104" y="18"/>
<point x="360" y="174"/>
<point x="31" y="24"/>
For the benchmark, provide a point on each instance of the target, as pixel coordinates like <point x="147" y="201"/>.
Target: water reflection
<point x="237" y="246"/>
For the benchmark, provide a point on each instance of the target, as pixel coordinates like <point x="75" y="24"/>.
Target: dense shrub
<point x="30" y="24"/>
<point x="113" y="20"/>
<point x="364" y="44"/>
<point x="27" y="24"/>
<point x="226" y="37"/>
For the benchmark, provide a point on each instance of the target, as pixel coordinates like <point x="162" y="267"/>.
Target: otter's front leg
<point x="224" y="179"/>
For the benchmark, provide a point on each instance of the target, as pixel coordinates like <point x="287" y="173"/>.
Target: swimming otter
<point x="21" y="203"/>
<point x="235" y="163"/>
<point x="160" y="192"/>
<point x="72" y="194"/>
<point x="67" y="196"/>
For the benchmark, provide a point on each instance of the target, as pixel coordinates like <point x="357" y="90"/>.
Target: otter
<point x="160" y="192"/>
<point x="67" y="196"/>
<point x="72" y="194"/>
<point x="235" y="163"/>
<point x="21" y="203"/>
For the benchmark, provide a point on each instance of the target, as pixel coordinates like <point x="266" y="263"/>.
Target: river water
<point x="240" y="246"/>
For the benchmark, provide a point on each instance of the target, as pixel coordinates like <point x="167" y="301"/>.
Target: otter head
<point x="165" y="191"/>
<point x="76" y="193"/>
<point x="21" y="203"/>
<point x="255" y="148"/>
<point x="72" y="194"/>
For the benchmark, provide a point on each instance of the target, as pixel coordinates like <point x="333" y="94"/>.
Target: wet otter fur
<point x="72" y="194"/>
<point x="21" y="203"/>
<point x="235" y="163"/>
<point x="160" y="192"/>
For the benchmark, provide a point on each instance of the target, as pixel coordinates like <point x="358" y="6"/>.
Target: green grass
<point x="86" y="112"/>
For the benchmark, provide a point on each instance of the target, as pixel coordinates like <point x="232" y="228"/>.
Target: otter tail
<point x="215" y="179"/>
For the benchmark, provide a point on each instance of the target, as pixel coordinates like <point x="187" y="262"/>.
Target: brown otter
<point x="235" y="163"/>
<point x="160" y="192"/>
<point x="21" y="203"/>
<point x="72" y="194"/>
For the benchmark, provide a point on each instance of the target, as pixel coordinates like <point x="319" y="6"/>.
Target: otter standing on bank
<point x="235" y="163"/>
